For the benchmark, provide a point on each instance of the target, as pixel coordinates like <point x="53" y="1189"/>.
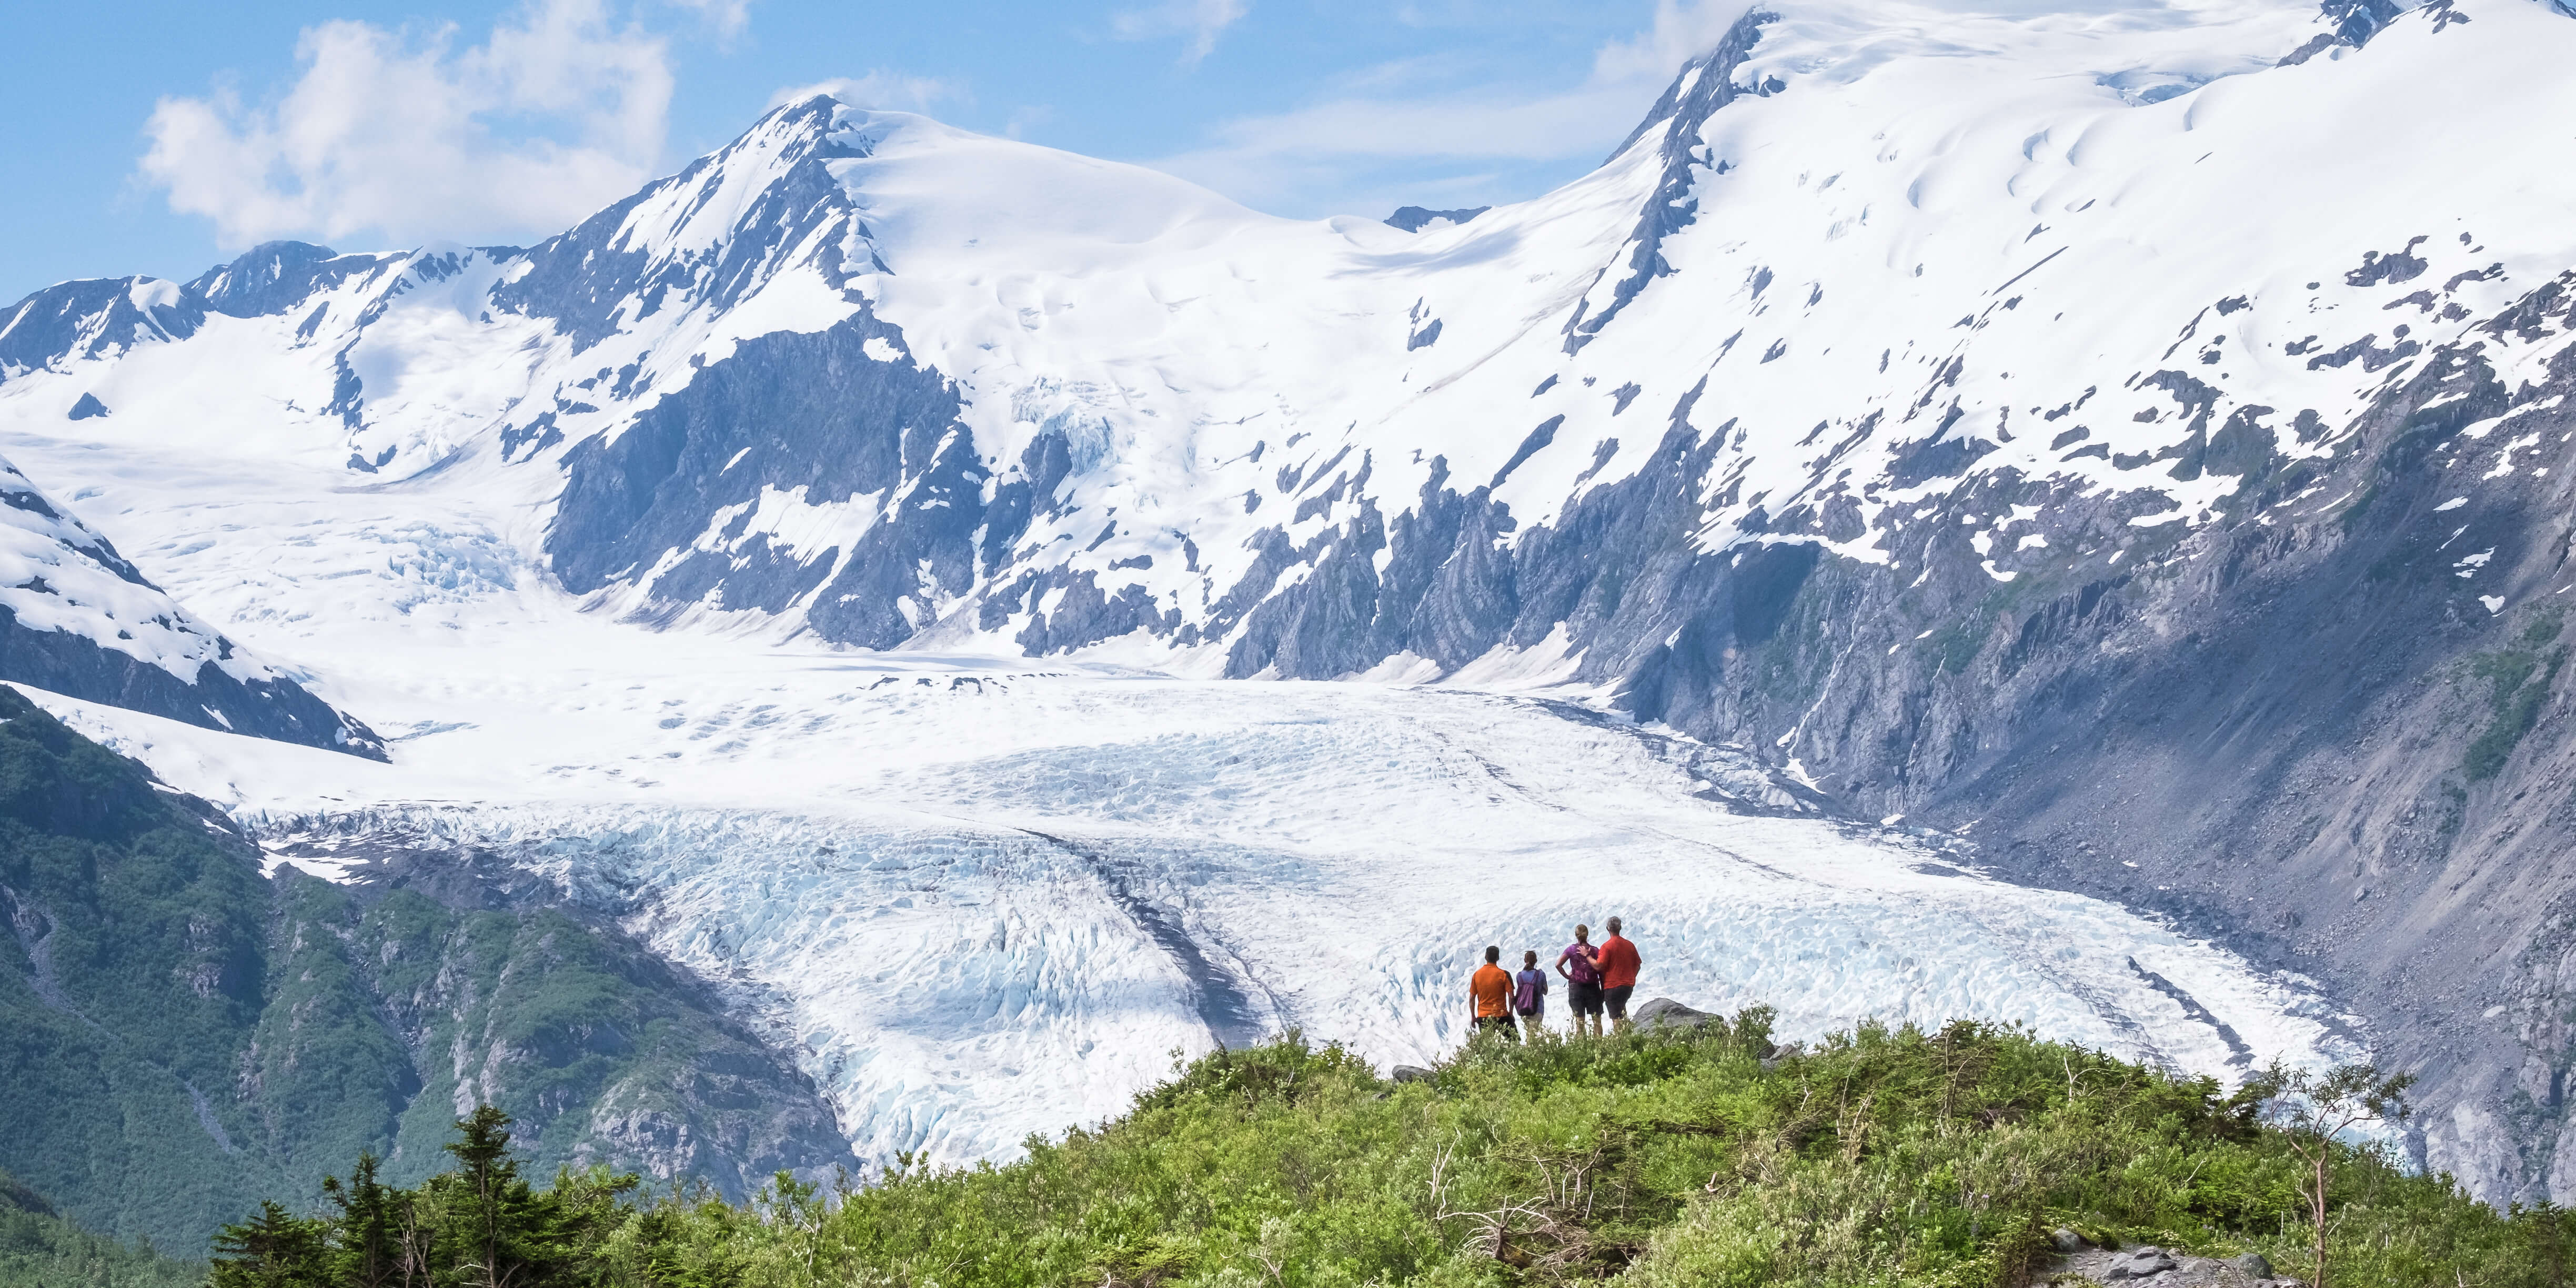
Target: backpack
<point x="1523" y="992"/>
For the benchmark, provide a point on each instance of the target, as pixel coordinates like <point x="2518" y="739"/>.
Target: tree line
<point x="482" y="1224"/>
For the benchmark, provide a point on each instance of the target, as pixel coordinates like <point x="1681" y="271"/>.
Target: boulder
<point x="1664" y="1011"/>
<point x="2253" y="1264"/>
<point x="2065" y="1240"/>
<point x="2138" y="1263"/>
<point x="1410" y="1073"/>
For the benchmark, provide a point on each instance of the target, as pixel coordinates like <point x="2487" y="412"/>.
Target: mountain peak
<point x="275" y="276"/>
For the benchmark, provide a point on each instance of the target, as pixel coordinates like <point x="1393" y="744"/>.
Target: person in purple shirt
<point x="1580" y="964"/>
<point x="1529" y="996"/>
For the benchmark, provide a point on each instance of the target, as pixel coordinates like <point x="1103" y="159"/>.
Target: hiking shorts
<point x="1617" y="999"/>
<point x="1584" y="998"/>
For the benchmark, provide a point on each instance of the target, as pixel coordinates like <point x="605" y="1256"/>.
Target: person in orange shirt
<point x="1618" y="960"/>
<point x="1490" y="994"/>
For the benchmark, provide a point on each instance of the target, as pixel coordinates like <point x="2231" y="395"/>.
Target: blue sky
<point x="161" y="137"/>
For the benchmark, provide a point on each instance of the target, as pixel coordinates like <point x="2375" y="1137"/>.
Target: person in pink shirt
<point x="1580" y="965"/>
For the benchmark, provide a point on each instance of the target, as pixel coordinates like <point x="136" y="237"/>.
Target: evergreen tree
<point x="590" y="1207"/>
<point x="366" y="1235"/>
<point x="275" y="1249"/>
<point x="501" y="1232"/>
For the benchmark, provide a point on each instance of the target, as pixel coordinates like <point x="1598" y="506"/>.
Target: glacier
<point x="977" y="902"/>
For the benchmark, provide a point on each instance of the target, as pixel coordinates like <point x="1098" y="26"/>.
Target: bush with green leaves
<point x="1692" y="1157"/>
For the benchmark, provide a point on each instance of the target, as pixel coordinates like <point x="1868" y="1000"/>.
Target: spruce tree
<point x="365" y="1244"/>
<point x="275" y="1249"/>
<point x="501" y="1231"/>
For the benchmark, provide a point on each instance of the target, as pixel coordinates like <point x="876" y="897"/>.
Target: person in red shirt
<point x="1618" y="959"/>
<point x="1489" y="994"/>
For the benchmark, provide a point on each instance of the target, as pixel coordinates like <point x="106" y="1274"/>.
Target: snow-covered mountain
<point x="77" y="619"/>
<point x="2133" y="439"/>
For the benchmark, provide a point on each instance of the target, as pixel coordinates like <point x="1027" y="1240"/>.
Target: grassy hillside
<point x="1887" y="1157"/>
<point x="39" y="1249"/>
<point x="179" y="1034"/>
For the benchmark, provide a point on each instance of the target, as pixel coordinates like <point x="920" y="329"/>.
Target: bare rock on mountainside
<point x="1414" y="219"/>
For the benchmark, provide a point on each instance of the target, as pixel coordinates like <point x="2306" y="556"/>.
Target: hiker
<point x="1529" y="996"/>
<point x="1619" y="963"/>
<point x="1580" y="965"/>
<point x="1489" y="993"/>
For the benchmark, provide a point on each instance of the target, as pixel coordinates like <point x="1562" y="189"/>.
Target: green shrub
<point x="1884" y="1156"/>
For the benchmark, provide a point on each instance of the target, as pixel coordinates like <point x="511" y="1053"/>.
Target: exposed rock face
<point x="839" y="426"/>
<point x="2306" y="728"/>
<point x="1414" y="219"/>
<point x="604" y="1052"/>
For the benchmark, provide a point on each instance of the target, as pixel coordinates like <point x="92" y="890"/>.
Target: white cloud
<point x="879" y="89"/>
<point x="1026" y="119"/>
<point x="400" y="134"/>
<point x="728" y="17"/>
<point x="1200" y="20"/>
<point x="1371" y="141"/>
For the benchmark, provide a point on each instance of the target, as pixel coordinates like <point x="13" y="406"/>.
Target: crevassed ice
<point x="978" y="904"/>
